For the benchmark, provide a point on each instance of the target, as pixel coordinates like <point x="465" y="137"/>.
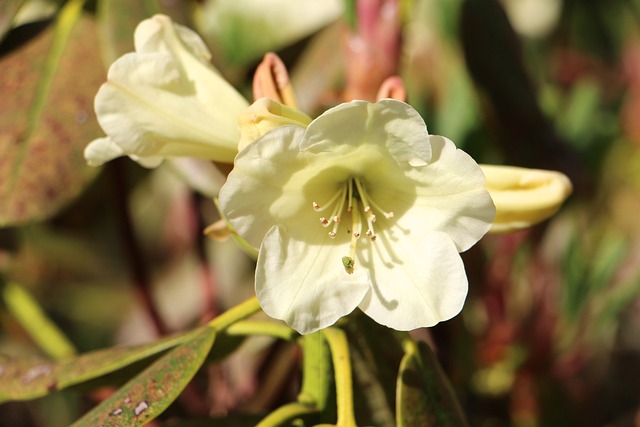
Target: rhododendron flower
<point x="166" y="100"/>
<point x="524" y="197"/>
<point x="363" y="208"/>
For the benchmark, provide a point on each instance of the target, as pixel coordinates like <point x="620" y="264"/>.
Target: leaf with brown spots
<point x="46" y="117"/>
<point x="151" y="392"/>
<point x="28" y="378"/>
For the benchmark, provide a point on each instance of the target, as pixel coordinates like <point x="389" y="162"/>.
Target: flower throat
<point x="353" y="198"/>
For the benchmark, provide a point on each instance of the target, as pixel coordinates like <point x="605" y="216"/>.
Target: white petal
<point x="415" y="283"/>
<point x="166" y="100"/>
<point x="160" y="34"/>
<point x="101" y="150"/>
<point x="149" y="109"/>
<point x="272" y="183"/>
<point x="304" y="283"/>
<point x="447" y="195"/>
<point x="388" y="124"/>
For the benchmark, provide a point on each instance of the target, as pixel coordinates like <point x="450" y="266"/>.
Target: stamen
<point x="368" y="202"/>
<point x="377" y="207"/>
<point x="350" y="195"/>
<point x="363" y="195"/>
<point x="356" y="222"/>
<point x="318" y="208"/>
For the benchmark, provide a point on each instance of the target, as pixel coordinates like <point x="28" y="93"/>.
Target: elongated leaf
<point x="376" y="354"/>
<point x="28" y="378"/>
<point x="46" y="117"/>
<point x="147" y="395"/>
<point x="424" y="396"/>
<point x="117" y="19"/>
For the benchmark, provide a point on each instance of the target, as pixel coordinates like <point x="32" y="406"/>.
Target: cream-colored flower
<point x="363" y="208"/>
<point x="524" y="197"/>
<point x="166" y="100"/>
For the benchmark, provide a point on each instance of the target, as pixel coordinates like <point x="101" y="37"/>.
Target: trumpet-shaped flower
<point x="363" y="208"/>
<point x="524" y="197"/>
<point x="166" y="100"/>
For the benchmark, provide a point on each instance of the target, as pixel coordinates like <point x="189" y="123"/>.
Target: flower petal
<point x="524" y="197"/>
<point x="415" y="282"/>
<point x="388" y="123"/>
<point x="101" y="150"/>
<point x="272" y="182"/>
<point x="264" y="115"/>
<point x="447" y="195"/>
<point x="304" y="282"/>
<point x="165" y="101"/>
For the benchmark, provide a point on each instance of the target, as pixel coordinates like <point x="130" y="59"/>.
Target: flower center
<point x="352" y="198"/>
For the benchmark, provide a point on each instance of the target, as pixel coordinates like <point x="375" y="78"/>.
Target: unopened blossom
<point x="166" y="100"/>
<point x="362" y="208"/>
<point x="524" y="197"/>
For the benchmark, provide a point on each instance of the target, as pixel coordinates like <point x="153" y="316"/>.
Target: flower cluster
<point x="359" y="208"/>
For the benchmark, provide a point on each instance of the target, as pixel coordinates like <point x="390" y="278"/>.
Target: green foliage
<point x="29" y="314"/>
<point x="425" y="397"/>
<point x="34" y="377"/>
<point x="47" y="120"/>
<point x="150" y="393"/>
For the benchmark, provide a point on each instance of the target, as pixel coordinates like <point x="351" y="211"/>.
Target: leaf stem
<point x="260" y="327"/>
<point x="286" y="413"/>
<point x="234" y="314"/>
<point x="339" y="346"/>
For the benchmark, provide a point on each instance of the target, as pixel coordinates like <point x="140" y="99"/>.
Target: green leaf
<point x="376" y="353"/>
<point x="46" y="117"/>
<point x="28" y="378"/>
<point x="33" y="319"/>
<point x="150" y="393"/>
<point x="117" y="20"/>
<point x="424" y="396"/>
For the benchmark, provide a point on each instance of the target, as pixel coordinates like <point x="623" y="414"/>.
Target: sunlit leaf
<point x="28" y="378"/>
<point x="46" y="117"/>
<point x="33" y="319"/>
<point x="117" y="19"/>
<point x="247" y="29"/>
<point x="425" y="397"/>
<point x="147" y="395"/>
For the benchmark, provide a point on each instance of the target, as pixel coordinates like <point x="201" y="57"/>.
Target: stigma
<point x="352" y="200"/>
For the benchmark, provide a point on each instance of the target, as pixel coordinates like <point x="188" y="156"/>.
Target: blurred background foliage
<point x="550" y="333"/>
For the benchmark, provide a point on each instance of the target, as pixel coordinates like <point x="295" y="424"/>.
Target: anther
<point x="324" y="221"/>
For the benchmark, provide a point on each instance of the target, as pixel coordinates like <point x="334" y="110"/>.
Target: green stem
<point x="285" y="414"/>
<point x="339" y="346"/>
<point x="239" y="312"/>
<point x="408" y="343"/>
<point x="258" y="327"/>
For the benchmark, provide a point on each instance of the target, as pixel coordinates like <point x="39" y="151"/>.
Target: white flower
<point x="361" y="209"/>
<point x="166" y="100"/>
